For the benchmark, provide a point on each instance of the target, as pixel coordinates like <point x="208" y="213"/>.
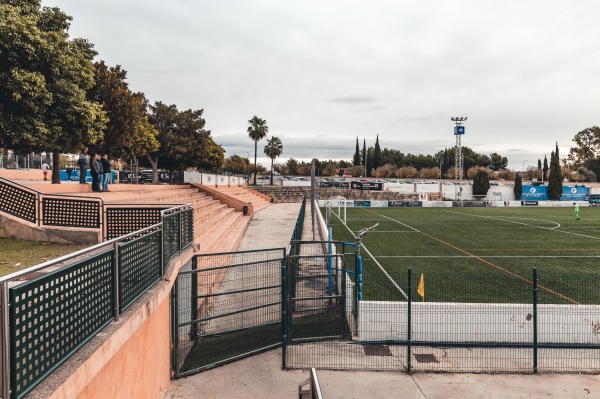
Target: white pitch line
<point x="378" y="264"/>
<point x="489" y="256"/>
<point x="530" y="225"/>
<point x="398" y="231"/>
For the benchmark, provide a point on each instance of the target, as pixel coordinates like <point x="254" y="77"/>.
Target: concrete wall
<point x="12" y="227"/>
<point x="478" y="322"/>
<point x="130" y="358"/>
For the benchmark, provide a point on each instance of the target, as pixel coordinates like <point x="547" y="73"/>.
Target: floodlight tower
<point x="459" y="130"/>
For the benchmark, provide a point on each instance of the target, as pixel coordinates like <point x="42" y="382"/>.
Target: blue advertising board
<point x="540" y="193"/>
<point x="459" y="130"/>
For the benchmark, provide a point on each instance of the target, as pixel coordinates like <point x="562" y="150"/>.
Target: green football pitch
<point x="477" y="254"/>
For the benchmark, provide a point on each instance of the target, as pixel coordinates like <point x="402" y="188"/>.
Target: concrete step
<point x="204" y="227"/>
<point x="211" y="238"/>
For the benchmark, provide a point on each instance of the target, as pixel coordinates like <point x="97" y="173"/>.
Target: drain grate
<point x="377" y="350"/>
<point x="426" y="358"/>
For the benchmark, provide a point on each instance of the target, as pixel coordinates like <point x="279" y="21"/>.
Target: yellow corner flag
<point x="421" y="288"/>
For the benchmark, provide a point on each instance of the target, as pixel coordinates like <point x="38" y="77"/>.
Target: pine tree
<point x="356" y="160"/>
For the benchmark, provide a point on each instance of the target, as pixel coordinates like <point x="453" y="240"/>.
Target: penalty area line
<point x="377" y="263"/>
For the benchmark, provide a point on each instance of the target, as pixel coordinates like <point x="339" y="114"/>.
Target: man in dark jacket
<point x="95" y="172"/>
<point x="83" y="165"/>
<point x="106" y="170"/>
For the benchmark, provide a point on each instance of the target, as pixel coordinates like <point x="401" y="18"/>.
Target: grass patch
<point x="16" y="255"/>
<point x="479" y="254"/>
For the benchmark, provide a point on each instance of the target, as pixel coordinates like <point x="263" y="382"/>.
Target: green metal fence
<point x="56" y="307"/>
<point x="298" y="228"/>
<point x="546" y="324"/>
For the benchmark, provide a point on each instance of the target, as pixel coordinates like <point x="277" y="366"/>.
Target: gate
<point x="227" y="307"/>
<point x="320" y="306"/>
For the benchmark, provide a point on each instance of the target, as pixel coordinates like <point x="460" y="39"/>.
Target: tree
<point x="545" y="169"/>
<point x="497" y="162"/>
<point x="237" y="164"/>
<point x="292" y="165"/>
<point x="518" y="189"/>
<point x="365" y="157"/>
<point x="257" y="131"/>
<point x="481" y="183"/>
<point x="273" y="149"/>
<point x="357" y="154"/>
<point x="128" y="132"/>
<point x="44" y="77"/>
<point x="555" y="177"/>
<point x="377" y="155"/>
<point x="183" y="141"/>
<point x="587" y="151"/>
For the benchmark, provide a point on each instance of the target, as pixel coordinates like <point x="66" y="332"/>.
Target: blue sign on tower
<point x="459" y="130"/>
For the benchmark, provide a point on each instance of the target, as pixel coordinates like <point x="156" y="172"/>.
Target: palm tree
<point x="273" y="149"/>
<point x="257" y="131"/>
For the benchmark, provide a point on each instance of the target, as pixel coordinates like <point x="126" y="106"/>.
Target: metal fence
<point x="549" y="324"/>
<point x="298" y="228"/>
<point x="56" y="307"/>
<point x="226" y="308"/>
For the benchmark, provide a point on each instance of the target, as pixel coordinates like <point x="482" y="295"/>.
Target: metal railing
<point x="297" y="234"/>
<point x="50" y="310"/>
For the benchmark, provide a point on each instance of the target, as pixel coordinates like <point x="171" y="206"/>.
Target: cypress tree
<point x="365" y="157"/>
<point x="356" y="160"/>
<point x="518" y="189"/>
<point x="545" y="169"/>
<point x="377" y="155"/>
<point x="555" y="177"/>
<point x="481" y="183"/>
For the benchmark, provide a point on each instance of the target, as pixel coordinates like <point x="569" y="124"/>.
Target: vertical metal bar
<point x="284" y="310"/>
<point x="194" y="297"/>
<point x="356" y="287"/>
<point x="116" y="281"/>
<point x="5" y="378"/>
<point x="329" y="267"/>
<point x="175" y="310"/>
<point x="38" y="207"/>
<point x="343" y="302"/>
<point x="359" y="278"/>
<point x="180" y="229"/>
<point x="535" y="321"/>
<point x="409" y="322"/>
<point x="162" y="241"/>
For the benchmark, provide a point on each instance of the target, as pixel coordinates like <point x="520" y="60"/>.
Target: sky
<point x="526" y="73"/>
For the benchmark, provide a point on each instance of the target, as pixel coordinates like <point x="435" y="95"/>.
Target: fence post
<point x="117" y="307"/>
<point x="359" y="278"/>
<point x="345" y="325"/>
<point x="535" y="322"/>
<point x="39" y="208"/>
<point x="329" y="267"/>
<point x="5" y="347"/>
<point x="284" y="310"/>
<point x="193" y="298"/>
<point x="180" y="230"/>
<point x="162" y="241"/>
<point x="409" y="321"/>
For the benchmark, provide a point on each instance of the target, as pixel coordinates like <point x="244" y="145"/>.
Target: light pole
<point x="524" y="165"/>
<point x="459" y="130"/>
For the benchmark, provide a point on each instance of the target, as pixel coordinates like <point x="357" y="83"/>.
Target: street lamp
<point x="524" y="165"/>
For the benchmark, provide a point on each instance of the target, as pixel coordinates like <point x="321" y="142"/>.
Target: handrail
<point x="75" y="254"/>
<point x="20" y="185"/>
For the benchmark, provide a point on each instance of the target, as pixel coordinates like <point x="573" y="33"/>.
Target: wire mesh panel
<point x="319" y="321"/>
<point x="17" y="202"/>
<point x="187" y="227"/>
<point x="171" y="236"/>
<point x="568" y="323"/>
<point x="70" y="212"/>
<point x="53" y="315"/>
<point x="229" y="307"/>
<point x="140" y="267"/>
<point x="124" y="220"/>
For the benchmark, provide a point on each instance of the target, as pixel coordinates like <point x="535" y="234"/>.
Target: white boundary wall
<point x="211" y="179"/>
<point x="478" y="322"/>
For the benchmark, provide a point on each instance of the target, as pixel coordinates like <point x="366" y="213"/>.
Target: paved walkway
<point x="261" y="376"/>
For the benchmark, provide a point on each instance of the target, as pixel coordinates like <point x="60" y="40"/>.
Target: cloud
<point x="354" y="100"/>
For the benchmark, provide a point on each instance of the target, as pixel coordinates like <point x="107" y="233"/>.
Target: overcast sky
<point x="525" y="73"/>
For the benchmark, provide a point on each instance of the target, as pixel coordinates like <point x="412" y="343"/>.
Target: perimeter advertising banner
<point x="366" y="204"/>
<point x="359" y="185"/>
<point x="145" y="177"/>
<point x="403" y="204"/>
<point x="540" y="193"/>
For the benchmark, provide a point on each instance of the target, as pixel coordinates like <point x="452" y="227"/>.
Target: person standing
<point x="100" y="172"/>
<point x="107" y="172"/>
<point x="83" y="165"/>
<point x="95" y="172"/>
<point x="45" y="169"/>
<point x="576" y="211"/>
<point x="69" y="172"/>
